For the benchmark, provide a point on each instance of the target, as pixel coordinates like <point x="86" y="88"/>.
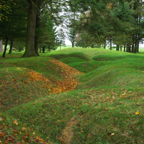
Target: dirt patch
<point x="67" y="133"/>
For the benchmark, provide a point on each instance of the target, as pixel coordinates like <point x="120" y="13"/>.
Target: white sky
<point x="67" y="42"/>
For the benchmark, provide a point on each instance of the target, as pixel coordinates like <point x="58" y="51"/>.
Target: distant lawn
<point x="99" y="101"/>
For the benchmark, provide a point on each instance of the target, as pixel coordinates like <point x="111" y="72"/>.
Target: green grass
<point x="101" y="110"/>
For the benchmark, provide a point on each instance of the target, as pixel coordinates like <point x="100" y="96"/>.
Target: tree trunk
<point x="136" y="47"/>
<point x="31" y="24"/>
<point x="117" y="48"/>
<point x="11" y="45"/>
<point x="36" y="45"/>
<point x="1" y="46"/>
<point x="137" y="50"/>
<point x="110" y="43"/>
<point x="43" y="49"/>
<point x="120" y="47"/>
<point x="92" y="46"/>
<point x="132" y="48"/>
<point x="128" y="48"/>
<point x="36" y="35"/>
<point x="72" y="44"/>
<point x="5" y="47"/>
<point x="133" y="45"/>
<point x="124" y="48"/>
<point x="49" y="49"/>
<point x="105" y="44"/>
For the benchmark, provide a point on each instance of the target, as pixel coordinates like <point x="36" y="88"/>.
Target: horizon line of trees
<point x="31" y="24"/>
<point x="119" y="22"/>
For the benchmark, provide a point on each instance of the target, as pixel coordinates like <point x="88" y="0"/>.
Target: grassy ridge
<point x="106" y="108"/>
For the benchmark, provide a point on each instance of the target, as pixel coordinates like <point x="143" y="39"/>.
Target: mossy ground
<point x="108" y="107"/>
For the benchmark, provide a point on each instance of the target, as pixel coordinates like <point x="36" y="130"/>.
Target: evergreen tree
<point x="61" y="37"/>
<point x="72" y="36"/>
<point x="48" y="35"/>
<point x="13" y="22"/>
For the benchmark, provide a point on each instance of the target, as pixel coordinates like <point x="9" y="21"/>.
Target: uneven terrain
<point x="75" y="95"/>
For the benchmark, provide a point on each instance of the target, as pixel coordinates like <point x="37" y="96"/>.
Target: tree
<point x="61" y="37"/>
<point x="72" y="35"/>
<point x="46" y="32"/>
<point x="35" y="6"/>
<point x="13" y="23"/>
<point x="117" y="21"/>
<point x="1" y="46"/>
<point x="19" y="44"/>
<point x="4" y="22"/>
<point x="72" y="23"/>
<point x="31" y="26"/>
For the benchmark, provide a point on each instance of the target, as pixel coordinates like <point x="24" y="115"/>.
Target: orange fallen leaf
<point x="2" y="134"/>
<point x="89" y="135"/>
<point x="121" y="96"/>
<point x="15" y="122"/>
<point x="23" y="128"/>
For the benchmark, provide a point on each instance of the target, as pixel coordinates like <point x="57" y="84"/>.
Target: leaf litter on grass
<point x="26" y="78"/>
<point x="13" y="132"/>
<point x="24" y="85"/>
<point x="67" y="83"/>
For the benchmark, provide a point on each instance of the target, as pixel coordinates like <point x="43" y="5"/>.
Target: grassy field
<point x="72" y="96"/>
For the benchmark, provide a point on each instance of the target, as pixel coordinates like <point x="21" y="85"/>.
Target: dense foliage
<point x="32" y="22"/>
<point x="119" y="22"/>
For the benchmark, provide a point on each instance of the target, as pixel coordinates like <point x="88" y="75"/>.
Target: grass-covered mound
<point x="106" y="108"/>
<point x="23" y="80"/>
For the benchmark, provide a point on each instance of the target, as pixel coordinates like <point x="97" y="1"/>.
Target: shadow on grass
<point x="105" y="57"/>
<point x="77" y="55"/>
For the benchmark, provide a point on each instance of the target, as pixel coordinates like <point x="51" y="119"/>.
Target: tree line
<point x="118" y="22"/>
<point x="31" y="24"/>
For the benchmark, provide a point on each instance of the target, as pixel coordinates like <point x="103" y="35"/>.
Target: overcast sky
<point x="67" y="42"/>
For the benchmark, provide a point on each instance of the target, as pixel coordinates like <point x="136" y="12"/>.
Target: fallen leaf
<point x="25" y="82"/>
<point x="15" y="122"/>
<point x="137" y="113"/>
<point x="112" y="134"/>
<point x="137" y="104"/>
<point x="23" y="128"/>
<point x="2" y="134"/>
<point x="18" y="142"/>
<point x="10" y="138"/>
